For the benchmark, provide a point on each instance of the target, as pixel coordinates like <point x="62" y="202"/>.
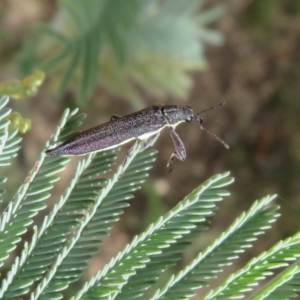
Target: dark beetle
<point x="141" y="125"/>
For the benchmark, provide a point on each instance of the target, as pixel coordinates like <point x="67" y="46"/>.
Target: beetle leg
<point x="150" y="142"/>
<point x="145" y="144"/>
<point x="130" y="151"/>
<point x="179" y="149"/>
<point x="115" y="117"/>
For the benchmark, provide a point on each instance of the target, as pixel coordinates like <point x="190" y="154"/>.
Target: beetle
<point x="142" y="126"/>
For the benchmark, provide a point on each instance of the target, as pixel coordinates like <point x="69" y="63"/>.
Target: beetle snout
<point x="198" y="119"/>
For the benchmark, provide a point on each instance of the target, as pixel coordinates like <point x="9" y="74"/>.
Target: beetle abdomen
<point x="92" y="140"/>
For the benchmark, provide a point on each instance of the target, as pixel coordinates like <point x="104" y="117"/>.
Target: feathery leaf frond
<point x="150" y="43"/>
<point x="97" y="24"/>
<point x="195" y="208"/>
<point x="4" y="122"/>
<point x="283" y="287"/>
<point x="221" y="252"/>
<point x="10" y="289"/>
<point x="9" y="141"/>
<point x="258" y="268"/>
<point x="95" y="224"/>
<point x="28" y="200"/>
<point x="67" y="213"/>
<point x="145" y="277"/>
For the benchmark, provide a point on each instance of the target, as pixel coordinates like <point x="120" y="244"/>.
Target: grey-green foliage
<point x="261" y="267"/>
<point x="9" y="141"/>
<point x="167" y="231"/>
<point x="154" y="43"/>
<point x="61" y="247"/>
<point x="56" y="227"/>
<point x="29" y="199"/>
<point x="239" y="236"/>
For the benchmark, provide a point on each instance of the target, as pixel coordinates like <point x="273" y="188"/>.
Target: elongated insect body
<point x="141" y="125"/>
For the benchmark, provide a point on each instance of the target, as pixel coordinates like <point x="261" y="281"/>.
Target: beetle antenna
<point x="200" y="122"/>
<point x="215" y="136"/>
<point x="214" y="107"/>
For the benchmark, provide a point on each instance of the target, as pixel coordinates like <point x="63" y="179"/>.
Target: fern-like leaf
<point x="283" y="287"/>
<point x="9" y="141"/>
<point x="171" y="228"/>
<point x="97" y="23"/>
<point x="221" y="252"/>
<point x="21" y="285"/>
<point x="3" y="122"/>
<point x="145" y="277"/>
<point x="67" y="213"/>
<point x="156" y="43"/>
<point x="28" y="201"/>
<point x="95" y="223"/>
<point x="258" y="269"/>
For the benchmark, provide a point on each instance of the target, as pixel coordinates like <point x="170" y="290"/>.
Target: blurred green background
<point x="115" y="57"/>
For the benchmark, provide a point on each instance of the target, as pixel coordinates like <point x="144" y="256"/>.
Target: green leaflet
<point x="168" y="230"/>
<point x="221" y="252"/>
<point x="28" y="200"/>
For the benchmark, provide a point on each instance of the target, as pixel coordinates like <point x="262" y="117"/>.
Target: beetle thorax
<point x="176" y="114"/>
